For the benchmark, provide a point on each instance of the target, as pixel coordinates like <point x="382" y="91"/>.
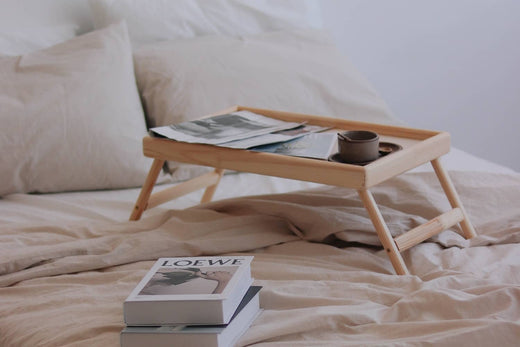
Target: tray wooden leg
<point x="383" y="232"/>
<point x="453" y="198"/>
<point x="147" y="200"/>
<point x="208" y="193"/>
<point x="146" y="190"/>
<point x="394" y="247"/>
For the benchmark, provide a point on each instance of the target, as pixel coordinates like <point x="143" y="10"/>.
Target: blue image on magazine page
<point x="192" y="280"/>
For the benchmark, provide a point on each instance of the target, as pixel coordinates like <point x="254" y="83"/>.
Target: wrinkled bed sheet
<point x="325" y="279"/>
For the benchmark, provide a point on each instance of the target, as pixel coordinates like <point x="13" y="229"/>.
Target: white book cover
<point x="189" y="290"/>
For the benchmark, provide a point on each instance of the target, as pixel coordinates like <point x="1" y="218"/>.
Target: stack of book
<point x="193" y="301"/>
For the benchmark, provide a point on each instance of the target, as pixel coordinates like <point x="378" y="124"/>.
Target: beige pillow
<point x="298" y="71"/>
<point x="71" y="117"/>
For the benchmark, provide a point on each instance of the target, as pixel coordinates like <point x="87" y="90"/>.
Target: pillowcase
<point x="71" y="117"/>
<point x="18" y="41"/>
<point x="155" y="20"/>
<point x="298" y="71"/>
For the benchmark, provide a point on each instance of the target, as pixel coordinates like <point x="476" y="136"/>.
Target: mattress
<point x="68" y="260"/>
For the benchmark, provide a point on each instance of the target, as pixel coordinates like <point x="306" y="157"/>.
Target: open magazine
<point x="315" y="145"/>
<point x="275" y="137"/>
<point x="226" y="128"/>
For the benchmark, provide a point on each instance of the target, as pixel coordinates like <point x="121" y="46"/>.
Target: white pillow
<point x="154" y="20"/>
<point x="71" y="118"/>
<point x="18" y="41"/>
<point x="297" y="71"/>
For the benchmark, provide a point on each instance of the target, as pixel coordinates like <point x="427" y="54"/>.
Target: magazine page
<point x="315" y="145"/>
<point x="278" y="136"/>
<point x="223" y="128"/>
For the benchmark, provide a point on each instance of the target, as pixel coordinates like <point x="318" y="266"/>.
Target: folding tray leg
<point x="453" y="198"/>
<point x="147" y="200"/>
<point x="208" y="193"/>
<point x="146" y="190"/>
<point x="383" y="233"/>
<point x="394" y="247"/>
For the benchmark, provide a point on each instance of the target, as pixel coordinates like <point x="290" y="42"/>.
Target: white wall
<point x="449" y="65"/>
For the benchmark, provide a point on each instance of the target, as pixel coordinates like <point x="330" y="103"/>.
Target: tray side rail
<point x="303" y="169"/>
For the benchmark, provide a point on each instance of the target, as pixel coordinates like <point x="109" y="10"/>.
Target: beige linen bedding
<point x="326" y="281"/>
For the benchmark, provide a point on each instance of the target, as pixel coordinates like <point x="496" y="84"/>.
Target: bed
<point x="71" y="169"/>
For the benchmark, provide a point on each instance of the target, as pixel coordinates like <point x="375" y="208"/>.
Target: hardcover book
<point x="197" y="335"/>
<point x="191" y="290"/>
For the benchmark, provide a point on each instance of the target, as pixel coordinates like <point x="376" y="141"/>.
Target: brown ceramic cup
<point x="358" y="146"/>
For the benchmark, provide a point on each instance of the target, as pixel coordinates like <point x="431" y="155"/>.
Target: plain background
<point x="451" y="65"/>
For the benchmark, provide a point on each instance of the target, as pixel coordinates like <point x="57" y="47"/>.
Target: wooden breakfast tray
<point x="418" y="147"/>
